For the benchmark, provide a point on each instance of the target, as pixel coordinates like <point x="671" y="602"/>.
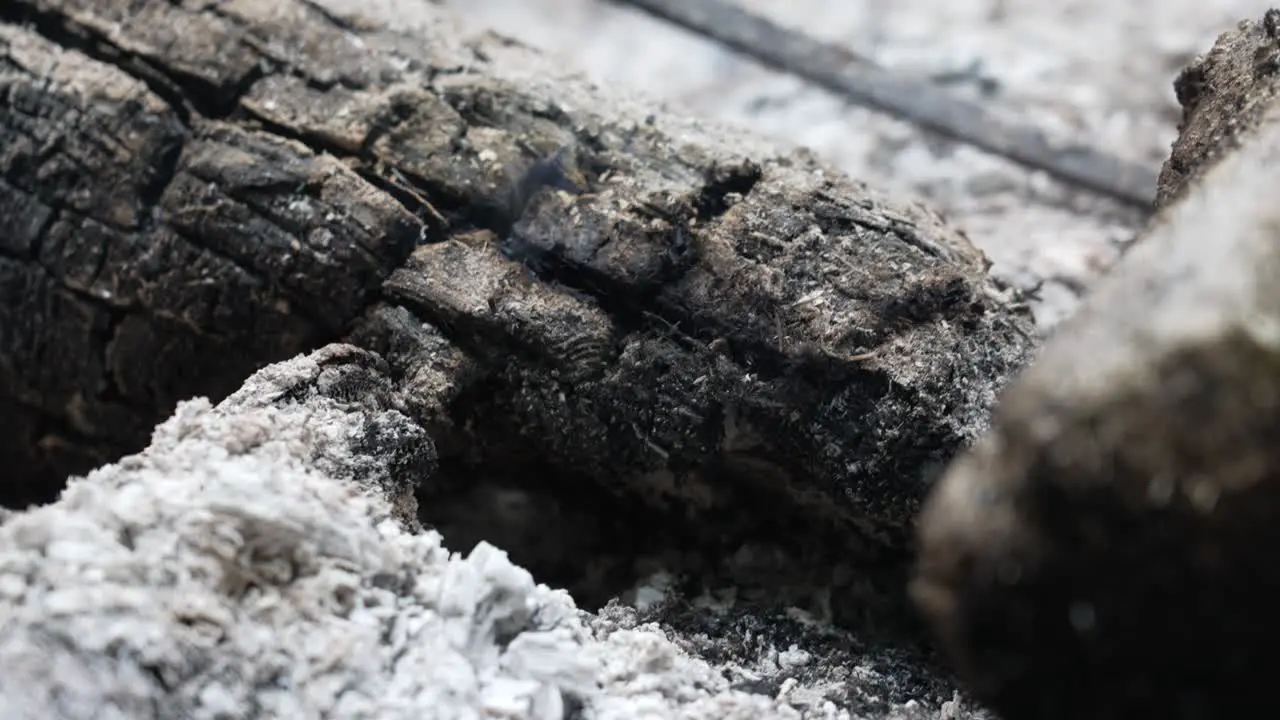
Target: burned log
<point x="689" y="323"/>
<point x="1109" y="549"/>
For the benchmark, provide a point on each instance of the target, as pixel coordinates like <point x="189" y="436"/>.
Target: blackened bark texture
<point x="685" y="319"/>
<point x="150" y="254"/>
<point x="1109" y="551"/>
<point x="1223" y="93"/>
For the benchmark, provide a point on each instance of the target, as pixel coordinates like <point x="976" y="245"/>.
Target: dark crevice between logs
<point x="572" y="530"/>
<point x="51" y="447"/>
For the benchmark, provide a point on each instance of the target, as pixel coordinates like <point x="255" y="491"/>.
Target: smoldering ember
<point x="359" y="368"/>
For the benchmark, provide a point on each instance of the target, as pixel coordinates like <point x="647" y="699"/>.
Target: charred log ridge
<point x="738" y="341"/>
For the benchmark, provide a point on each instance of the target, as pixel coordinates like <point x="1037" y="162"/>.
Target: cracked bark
<point x="735" y="339"/>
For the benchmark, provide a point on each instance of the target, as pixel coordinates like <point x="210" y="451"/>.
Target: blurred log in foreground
<point x="1109" y="550"/>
